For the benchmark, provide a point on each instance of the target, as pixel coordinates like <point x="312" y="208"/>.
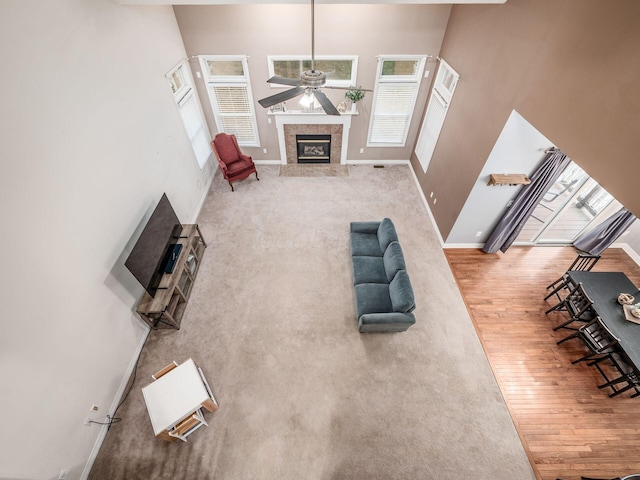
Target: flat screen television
<point x="156" y="251"/>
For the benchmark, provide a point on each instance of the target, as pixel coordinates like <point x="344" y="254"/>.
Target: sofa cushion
<point x="393" y="260"/>
<point x="372" y="298"/>
<point x="401" y="293"/>
<point x="365" y="244"/>
<point x="386" y="233"/>
<point x="368" y="270"/>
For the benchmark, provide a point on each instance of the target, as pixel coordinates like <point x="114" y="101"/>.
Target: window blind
<point x="391" y="113"/>
<point x="194" y="126"/>
<point x="441" y="95"/>
<point x="229" y="89"/>
<point x="233" y="112"/>
<point x="433" y="122"/>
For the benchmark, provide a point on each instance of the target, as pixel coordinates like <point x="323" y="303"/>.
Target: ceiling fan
<point x="308" y="84"/>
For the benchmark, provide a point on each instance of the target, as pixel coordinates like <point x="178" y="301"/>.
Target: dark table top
<point x="603" y="289"/>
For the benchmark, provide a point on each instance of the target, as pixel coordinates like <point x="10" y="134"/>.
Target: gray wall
<point x="90" y="140"/>
<point x="363" y="30"/>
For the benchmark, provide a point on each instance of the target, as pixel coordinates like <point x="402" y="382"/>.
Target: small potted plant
<point x="354" y="94"/>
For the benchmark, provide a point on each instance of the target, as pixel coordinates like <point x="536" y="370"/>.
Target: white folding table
<point x="175" y="396"/>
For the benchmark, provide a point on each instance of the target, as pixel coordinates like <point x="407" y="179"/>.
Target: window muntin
<point x="341" y="70"/>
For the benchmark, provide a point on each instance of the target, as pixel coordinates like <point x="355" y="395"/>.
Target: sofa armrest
<point x="385" y="322"/>
<point x="365" y="227"/>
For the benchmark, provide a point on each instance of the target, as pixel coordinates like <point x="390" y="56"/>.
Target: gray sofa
<point x="384" y="296"/>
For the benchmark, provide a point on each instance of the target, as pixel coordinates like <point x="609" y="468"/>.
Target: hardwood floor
<point x="567" y="425"/>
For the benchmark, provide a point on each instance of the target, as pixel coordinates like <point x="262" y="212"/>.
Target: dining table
<point x="603" y="288"/>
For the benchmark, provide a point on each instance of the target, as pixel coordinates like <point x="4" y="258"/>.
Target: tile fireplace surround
<point x="290" y="123"/>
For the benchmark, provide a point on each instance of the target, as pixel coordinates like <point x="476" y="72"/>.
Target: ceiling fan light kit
<point x="309" y="83"/>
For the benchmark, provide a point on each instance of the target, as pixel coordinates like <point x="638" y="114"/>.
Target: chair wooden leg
<point x="231" y="185"/>
<point x="257" y="176"/>
<point x="557" y="286"/>
<point x="564" y="324"/>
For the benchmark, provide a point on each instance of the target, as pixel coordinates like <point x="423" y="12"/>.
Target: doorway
<point x="573" y="205"/>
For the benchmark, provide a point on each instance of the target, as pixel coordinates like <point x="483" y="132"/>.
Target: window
<point x="189" y="109"/>
<point x="341" y="70"/>
<point x="441" y="95"/>
<point x="394" y="98"/>
<point x="229" y="88"/>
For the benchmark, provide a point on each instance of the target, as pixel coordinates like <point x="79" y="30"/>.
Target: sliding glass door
<point x="570" y="207"/>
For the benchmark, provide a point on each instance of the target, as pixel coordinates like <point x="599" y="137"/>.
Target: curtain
<point x="597" y="240"/>
<point x="516" y="216"/>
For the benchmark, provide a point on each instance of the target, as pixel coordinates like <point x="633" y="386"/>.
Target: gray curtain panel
<point x="511" y="224"/>
<point x="597" y="240"/>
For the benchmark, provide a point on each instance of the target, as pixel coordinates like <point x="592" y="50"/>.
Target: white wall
<point x="90" y="139"/>
<point x="519" y="149"/>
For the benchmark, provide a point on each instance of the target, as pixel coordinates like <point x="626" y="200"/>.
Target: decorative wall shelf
<point x="508" y="179"/>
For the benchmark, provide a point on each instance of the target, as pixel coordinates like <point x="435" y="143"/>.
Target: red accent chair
<point x="234" y="164"/>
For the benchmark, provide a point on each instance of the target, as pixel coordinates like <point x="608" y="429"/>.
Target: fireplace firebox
<point x="314" y="148"/>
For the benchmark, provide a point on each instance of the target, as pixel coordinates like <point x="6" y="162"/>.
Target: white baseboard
<point x="463" y="245"/>
<point x="348" y="162"/>
<point x="116" y="401"/>
<point x="628" y="250"/>
<point x="426" y="204"/>
<point x="267" y="162"/>
<point x="378" y="162"/>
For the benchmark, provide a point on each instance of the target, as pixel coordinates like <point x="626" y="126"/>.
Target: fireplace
<point x="291" y="124"/>
<point x="313" y="148"/>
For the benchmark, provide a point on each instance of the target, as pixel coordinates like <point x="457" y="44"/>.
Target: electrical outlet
<point x="435" y="200"/>
<point x="198" y="75"/>
<point x="64" y="475"/>
<point x="264" y="150"/>
<point x="478" y="233"/>
<point x="362" y="150"/>
<point x="431" y="195"/>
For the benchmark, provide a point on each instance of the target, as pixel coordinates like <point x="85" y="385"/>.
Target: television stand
<point x="166" y="308"/>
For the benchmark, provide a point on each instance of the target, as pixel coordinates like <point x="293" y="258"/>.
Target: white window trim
<point x="231" y="80"/>
<point x="330" y="82"/>
<point x="383" y="82"/>
<point x="185" y="97"/>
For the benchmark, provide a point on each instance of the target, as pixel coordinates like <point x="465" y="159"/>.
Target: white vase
<point x="354" y="108"/>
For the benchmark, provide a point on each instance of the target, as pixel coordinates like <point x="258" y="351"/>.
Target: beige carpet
<point x="302" y="394"/>
<point x="316" y="170"/>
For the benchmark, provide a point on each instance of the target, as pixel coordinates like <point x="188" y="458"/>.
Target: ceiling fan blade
<point x="326" y="104"/>
<point x="281" y="97"/>
<point x="293" y="82"/>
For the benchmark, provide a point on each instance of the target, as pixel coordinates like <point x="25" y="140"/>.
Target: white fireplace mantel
<point x="304" y="118"/>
